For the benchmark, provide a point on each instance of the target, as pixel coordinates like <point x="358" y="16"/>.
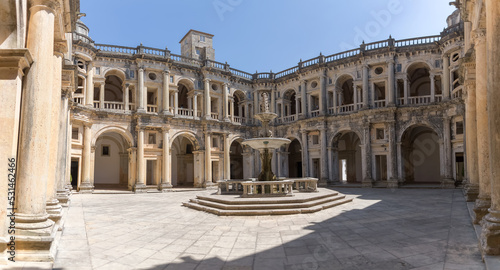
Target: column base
<point x="471" y="192"/>
<point x="63" y="197"/>
<point x="69" y="187"/>
<point x="367" y="183"/>
<point x="140" y="188"/>
<point x="226" y="119"/>
<point x="166" y="112"/>
<point x="481" y="208"/>
<point x="448" y="183"/>
<point x="393" y="183"/>
<point x="34" y="237"/>
<point x="141" y="111"/>
<point x="86" y="188"/>
<point x="54" y="209"/>
<point x="490" y="234"/>
<point x="210" y="185"/>
<point x="165" y="187"/>
<point x="206" y="117"/>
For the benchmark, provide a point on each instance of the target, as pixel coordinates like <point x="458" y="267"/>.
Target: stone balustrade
<point x="305" y="184"/>
<point x="267" y="188"/>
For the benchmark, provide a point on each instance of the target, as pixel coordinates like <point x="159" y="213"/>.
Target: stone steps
<point x="266" y="206"/>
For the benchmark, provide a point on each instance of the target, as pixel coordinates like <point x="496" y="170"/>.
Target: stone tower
<point x="198" y="45"/>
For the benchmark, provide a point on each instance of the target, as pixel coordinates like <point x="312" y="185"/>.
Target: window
<point x="189" y="149"/>
<point x="202" y="38"/>
<point x="215" y="142"/>
<point x="74" y="133"/>
<point x="186" y="42"/>
<point x="459" y="128"/>
<point x="131" y="74"/>
<point x="314" y="84"/>
<point x="152" y="138"/>
<point x="198" y="52"/>
<point x="152" y="76"/>
<point x="437" y="63"/>
<point x="98" y="70"/>
<point x="105" y="151"/>
<point x="398" y="68"/>
<point x="380" y="134"/>
<point x="379" y="70"/>
<point x="315" y="139"/>
<point x="172" y="79"/>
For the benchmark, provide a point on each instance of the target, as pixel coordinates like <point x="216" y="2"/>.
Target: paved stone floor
<point x="380" y="229"/>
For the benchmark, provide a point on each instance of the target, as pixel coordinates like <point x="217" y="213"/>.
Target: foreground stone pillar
<point x="324" y="158"/>
<point x="472" y="186"/>
<point x="86" y="184"/>
<point x="69" y="186"/>
<point x="227" y="159"/>
<point x="490" y="235"/>
<point x="140" y="186"/>
<point x="34" y="230"/>
<point x="166" y="182"/>
<point x="483" y="147"/>
<point x="54" y="209"/>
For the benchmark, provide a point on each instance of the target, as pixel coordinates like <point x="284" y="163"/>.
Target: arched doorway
<point x="183" y="97"/>
<point x="295" y="159"/>
<point x="420" y="158"/>
<point x="182" y="162"/>
<point x="347" y="157"/>
<point x="236" y="160"/>
<point x="111" y="161"/>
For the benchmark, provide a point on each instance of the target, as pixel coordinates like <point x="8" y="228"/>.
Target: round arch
<point x="342" y="79"/>
<point x="186" y="82"/>
<point x="339" y="133"/>
<point x="411" y="67"/>
<point x="415" y="123"/>
<point x="117" y="129"/>
<point x="117" y="72"/>
<point x="191" y="136"/>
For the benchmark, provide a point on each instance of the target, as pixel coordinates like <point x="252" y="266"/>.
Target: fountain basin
<point x="265" y="143"/>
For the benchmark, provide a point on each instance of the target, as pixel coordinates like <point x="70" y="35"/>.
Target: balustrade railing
<point x="417" y="41"/>
<point x="238" y="119"/>
<point x="419" y="100"/>
<point x="379" y="103"/>
<point x="185" y="112"/>
<point x="457" y="93"/>
<point x="376" y="45"/>
<point x="214" y="115"/>
<point x="310" y="62"/>
<point x="131" y="107"/>
<point x="112" y="105"/>
<point x="78" y="100"/>
<point x="186" y="60"/>
<point x="116" y="49"/>
<point x="342" y="55"/>
<point x="97" y="104"/>
<point x="288" y="119"/>
<point x="83" y="38"/>
<point x="332" y="111"/>
<point x="346" y="108"/>
<point x="438" y="98"/>
<point x="240" y="73"/>
<point x="286" y="72"/>
<point x="217" y="65"/>
<point x="315" y="113"/>
<point x="152" y="108"/>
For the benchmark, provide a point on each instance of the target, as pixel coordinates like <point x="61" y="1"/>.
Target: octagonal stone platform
<point x="300" y="203"/>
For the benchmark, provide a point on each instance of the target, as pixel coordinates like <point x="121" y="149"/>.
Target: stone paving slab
<point x="381" y="229"/>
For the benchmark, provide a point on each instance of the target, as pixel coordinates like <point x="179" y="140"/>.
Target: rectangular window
<point x="198" y="52"/>
<point x="98" y="70"/>
<point x="459" y="128"/>
<point x="380" y="134"/>
<point x="202" y="38"/>
<point x="398" y="68"/>
<point x="438" y="63"/>
<point x="152" y="138"/>
<point x="172" y="79"/>
<point x="131" y="74"/>
<point x="315" y="139"/>
<point x="105" y="151"/>
<point x="215" y="142"/>
<point x="74" y="133"/>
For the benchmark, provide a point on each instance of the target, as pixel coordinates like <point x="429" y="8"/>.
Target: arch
<point x="191" y="136"/>
<point x="183" y="165"/>
<point x="346" y="159"/>
<point x="111" y="165"/>
<point x="419" y="122"/>
<point x="182" y="96"/>
<point x="236" y="163"/>
<point x="236" y="139"/>
<point x="120" y="130"/>
<point x="189" y="83"/>
<point x="113" y="88"/>
<point x="295" y="160"/>
<point x="289" y="102"/>
<point x="342" y="79"/>
<point x="345" y="84"/>
<point x="421" y="153"/>
<point x="116" y="72"/>
<point x="240" y="94"/>
<point x="415" y="65"/>
<point x="341" y="132"/>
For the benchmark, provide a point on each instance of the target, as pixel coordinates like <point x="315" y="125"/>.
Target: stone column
<point x="471" y="143"/>
<point x="126" y="97"/>
<point x="406" y="90"/>
<point x="305" y="154"/>
<point x="176" y="102"/>
<point x="323" y="98"/>
<point x="132" y="167"/>
<point x="101" y="96"/>
<point x="366" y="157"/>
<point x="433" y="87"/>
<point x="227" y="160"/>
<point x="303" y="92"/>
<point x="140" y="186"/>
<point x="231" y="111"/>
<point x="89" y="94"/>
<point x="62" y="154"/>
<point x="195" y="106"/>
<point x="335" y="164"/>
<point x="256" y="107"/>
<point x="448" y="181"/>
<point x="365" y="87"/>
<point x="141" y="106"/>
<point x="166" y="182"/>
<point x="446" y="76"/>
<point x="392" y="160"/>
<point x="324" y="157"/>
<point x="391" y="87"/>
<point x="490" y="235"/>
<point x="208" y="160"/>
<point x="54" y="209"/>
<point x="335" y="102"/>
<point x="297" y="108"/>
<point x="272" y="108"/>
<point x="68" y="156"/>
<point x="32" y="223"/>
<point x="225" y="101"/>
<point x="483" y="139"/>
<point x="355" y="95"/>
<point x="208" y="108"/>
<point x="85" y="183"/>
<point x="166" y="93"/>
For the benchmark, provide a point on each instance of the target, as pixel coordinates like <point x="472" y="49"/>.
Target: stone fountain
<point x="266" y="143"/>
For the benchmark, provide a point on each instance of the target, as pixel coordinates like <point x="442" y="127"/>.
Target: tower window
<point x="202" y="38"/>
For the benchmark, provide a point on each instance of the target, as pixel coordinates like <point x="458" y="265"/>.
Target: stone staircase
<point x="227" y="205"/>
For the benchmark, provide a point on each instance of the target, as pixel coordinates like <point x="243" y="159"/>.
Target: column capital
<point x="391" y="61"/>
<point x="166" y="72"/>
<point x="51" y="5"/>
<point x="165" y="129"/>
<point x="141" y="69"/>
<point x="140" y="128"/>
<point x="87" y="124"/>
<point x="207" y="80"/>
<point x="479" y="35"/>
<point x="60" y="47"/>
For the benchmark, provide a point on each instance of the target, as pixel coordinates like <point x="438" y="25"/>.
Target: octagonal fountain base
<point x="300" y="203"/>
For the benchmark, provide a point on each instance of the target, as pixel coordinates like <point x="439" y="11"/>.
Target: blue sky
<point x="263" y="35"/>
